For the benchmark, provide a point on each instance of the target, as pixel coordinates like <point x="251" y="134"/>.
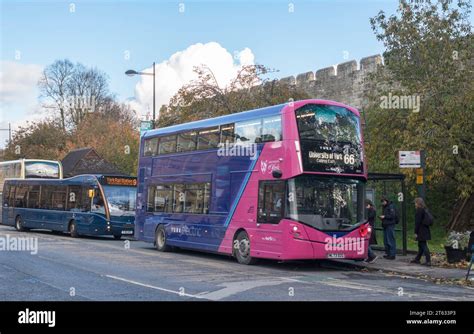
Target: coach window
<point x="271" y="129"/>
<point x="248" y="132"/>
<point x="167" y="145"/>
<point x="271" y="201"/>
<point x="227" y="134"/>
<point x="186" y="141"/>
<point x="33" y="197"/>
<point x="208" y="138"/>
<point x="150" y="147"/>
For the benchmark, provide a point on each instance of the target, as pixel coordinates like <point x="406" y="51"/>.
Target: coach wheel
<point x="160" y="239"/>
<point x="73" y="230"/>
<point x="242" y="249"/>
<point x="19" y="224"/>
<point x="117" y="236"/>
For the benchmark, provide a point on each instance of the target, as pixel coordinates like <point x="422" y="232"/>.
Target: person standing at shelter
<point x="389" y="220"/>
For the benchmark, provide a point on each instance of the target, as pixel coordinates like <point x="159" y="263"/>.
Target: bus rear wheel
<point x="242" y="249"/>
<point x="73" y="230"/>
<point x="160" y="239"/>
<point x="19" y="224"/>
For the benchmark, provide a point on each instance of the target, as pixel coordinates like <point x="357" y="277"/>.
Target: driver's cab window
<point x="98" y="204"/>
<point x="271" y="201"/>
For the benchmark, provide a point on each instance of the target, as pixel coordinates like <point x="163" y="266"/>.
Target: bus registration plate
<point x="127" y="232"/>
<point x="336" y="256"/>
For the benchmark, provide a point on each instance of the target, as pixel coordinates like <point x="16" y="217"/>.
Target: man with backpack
<point x="423" y="221"/>
<point x="389" y="219"/>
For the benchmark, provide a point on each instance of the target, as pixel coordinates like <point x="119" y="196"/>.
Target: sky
<point x="114" y="36"/>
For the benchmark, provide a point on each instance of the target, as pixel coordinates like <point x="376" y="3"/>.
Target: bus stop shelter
<point x="392" y="186"/>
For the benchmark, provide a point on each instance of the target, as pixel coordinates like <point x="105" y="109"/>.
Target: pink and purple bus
<point x="285" y="182"/>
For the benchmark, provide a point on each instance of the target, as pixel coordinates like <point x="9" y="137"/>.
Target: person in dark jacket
<point x="422" y="232"/>
<point x="371" y="214"/>
<point x="389" y="220"/>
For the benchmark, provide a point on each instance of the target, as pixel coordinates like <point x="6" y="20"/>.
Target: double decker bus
<point x="284" y="182"/>
<point x="80" y="205"/>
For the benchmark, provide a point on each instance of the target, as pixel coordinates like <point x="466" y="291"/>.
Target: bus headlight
<point x="295" y="231"/>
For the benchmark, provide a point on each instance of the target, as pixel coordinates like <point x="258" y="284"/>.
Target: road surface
<point x="104" y="269"/>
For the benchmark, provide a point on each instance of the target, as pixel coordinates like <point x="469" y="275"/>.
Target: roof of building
<point x="71" y="160"/>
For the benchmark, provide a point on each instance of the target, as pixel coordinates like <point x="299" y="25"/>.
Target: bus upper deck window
<point x="271" y="130"/>
<point x="227" y="134"/>
<point x="150" y="147"/>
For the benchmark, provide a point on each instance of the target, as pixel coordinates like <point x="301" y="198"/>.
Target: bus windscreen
<point x="330" y="139"/>
<point x="121" y="200"/>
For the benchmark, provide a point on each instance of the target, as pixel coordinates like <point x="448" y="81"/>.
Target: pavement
<point x="104" y="269"/>
<point x="401" y="265"/>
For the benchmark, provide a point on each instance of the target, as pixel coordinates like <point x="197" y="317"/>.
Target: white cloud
<point x="177" y="71"/>
<point x="18" y="95"/>
<point x="18" y="82"/>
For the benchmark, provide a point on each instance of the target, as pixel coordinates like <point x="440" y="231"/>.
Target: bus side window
<point x="20" y="196"/>
<point x="33" y="197"/>
<point x="150" y="206"/>
<point x="227" y="134"/>
<point x="178" y="198"/>
<point x="46" y="197"/>
<point x="271" y="201"/>
<point x="151" y="147"/>
<point x="11" y="196"/>
<point x="271" y="130"/>
<point x="5" y="194"/>
<point x="85" y="204"/>
<point x="59" y="198"/>
<point x="74" y="198"/>
<point x="208" y="138"/>
<point x="186" y="141"/>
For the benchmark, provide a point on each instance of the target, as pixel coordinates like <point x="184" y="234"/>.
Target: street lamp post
<point x="9" y="132"/>
<point x="132" y="73"/>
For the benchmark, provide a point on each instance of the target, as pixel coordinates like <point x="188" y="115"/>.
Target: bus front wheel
<point x="242" y="249"/>
<point x="160" y="239"/>
<point x="19" y="224"/>
<point x="73" y="230"/>
<point x="117" y="236"/>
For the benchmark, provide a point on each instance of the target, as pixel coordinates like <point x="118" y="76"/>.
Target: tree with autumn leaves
<point x="82" y="113"/>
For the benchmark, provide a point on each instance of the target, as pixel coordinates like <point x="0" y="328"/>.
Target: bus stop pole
<point x="404" y="220"/>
